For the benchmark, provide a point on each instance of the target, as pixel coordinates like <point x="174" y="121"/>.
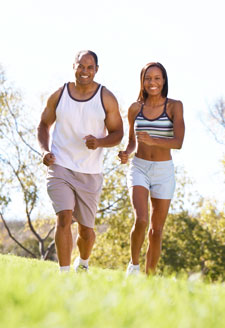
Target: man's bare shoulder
<point x="54" y="97"/>
<point x="108" y="94"/>
<point x="109" y="100"/>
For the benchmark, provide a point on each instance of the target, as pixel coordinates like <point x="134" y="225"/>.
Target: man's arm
<point x="48" y="117"/>
<point x="113" y="122"/>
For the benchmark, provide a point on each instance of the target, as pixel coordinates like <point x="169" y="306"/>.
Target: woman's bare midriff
<point x="152" y="153"/>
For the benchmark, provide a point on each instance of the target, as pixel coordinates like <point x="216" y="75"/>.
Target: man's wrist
<point x="44" y="152"/>
<point x="99" y="142"/>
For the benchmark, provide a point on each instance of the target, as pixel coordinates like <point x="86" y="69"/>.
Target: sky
<point x="39" y="40"/>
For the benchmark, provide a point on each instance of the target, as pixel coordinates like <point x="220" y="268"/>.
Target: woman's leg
<point x="159" y="211"/>
<point x="139" y="198"/>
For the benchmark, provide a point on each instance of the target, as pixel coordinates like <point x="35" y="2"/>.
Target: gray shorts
<point x="79" y="192"/>
<point x="158" y="177"/>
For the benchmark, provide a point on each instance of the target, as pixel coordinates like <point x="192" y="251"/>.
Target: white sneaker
<point x="78" y="267"/>
<point x="132" y="269"/>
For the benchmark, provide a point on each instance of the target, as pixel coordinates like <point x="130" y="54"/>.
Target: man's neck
<point x="81" y="91"/>
<point x="85" y="88"/>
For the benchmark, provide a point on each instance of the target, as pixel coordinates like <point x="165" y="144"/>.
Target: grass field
<point x="34" y="294"/>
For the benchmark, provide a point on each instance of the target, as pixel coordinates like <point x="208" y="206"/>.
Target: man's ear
<point x="97" y="68"/>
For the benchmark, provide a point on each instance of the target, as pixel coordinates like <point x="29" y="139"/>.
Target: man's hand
<point x="123" y="155"/>
<point x="145" y="138"/>
<point x="91" y="142"/>
<point x="48" y="158"/>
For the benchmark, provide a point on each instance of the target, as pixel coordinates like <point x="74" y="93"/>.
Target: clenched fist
<point x="123" y="155"/>
<point x="48" y="158"/>
<point x="145" y="138"/>
<point x="91" y="142"/>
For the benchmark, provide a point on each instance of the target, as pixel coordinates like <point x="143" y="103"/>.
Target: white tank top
<point x="76" y="119"/>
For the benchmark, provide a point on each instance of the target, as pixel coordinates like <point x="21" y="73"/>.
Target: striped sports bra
<point x="160" y="127"/>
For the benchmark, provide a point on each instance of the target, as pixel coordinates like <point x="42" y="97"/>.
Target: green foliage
<point x="33" y="294"/>
<point x="185" y="196"/>
<point x="31" y="244"/>
<point x="189" y="245"/>
<point x="111" y="249"/>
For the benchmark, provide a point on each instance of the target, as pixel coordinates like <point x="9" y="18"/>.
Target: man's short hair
<point x="84" y="52"/>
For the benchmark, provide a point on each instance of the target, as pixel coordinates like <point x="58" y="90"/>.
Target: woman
<point x="157" y="124"/>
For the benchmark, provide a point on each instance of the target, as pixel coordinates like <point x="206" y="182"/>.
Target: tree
<point x="217" y="120"/>
<point x="19" y="161"/>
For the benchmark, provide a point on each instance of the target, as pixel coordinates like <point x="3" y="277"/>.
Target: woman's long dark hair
<point x="143" y="94"/>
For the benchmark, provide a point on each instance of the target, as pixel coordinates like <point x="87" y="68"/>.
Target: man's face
<point x="85" y="69"/>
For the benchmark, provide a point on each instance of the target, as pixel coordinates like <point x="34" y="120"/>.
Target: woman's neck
<point x="155" y="101"/>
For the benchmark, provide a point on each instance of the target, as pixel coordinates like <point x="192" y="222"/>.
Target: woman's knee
<point x="155" y="233"/>
<point x="141" y="223"/>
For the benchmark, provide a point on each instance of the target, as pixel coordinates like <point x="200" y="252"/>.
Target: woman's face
<point x="153" y="81"/>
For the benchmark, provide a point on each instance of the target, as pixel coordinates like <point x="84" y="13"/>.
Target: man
<point x="82" y="112"/>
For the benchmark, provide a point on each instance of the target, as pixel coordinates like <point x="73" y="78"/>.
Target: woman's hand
<point x="124" y="156"/>
<point x="145" y="138"/>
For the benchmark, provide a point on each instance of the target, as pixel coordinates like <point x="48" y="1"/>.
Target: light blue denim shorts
<point x="157" y="177"/>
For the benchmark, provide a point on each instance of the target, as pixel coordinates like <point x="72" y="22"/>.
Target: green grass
<point x="33" y="294"/>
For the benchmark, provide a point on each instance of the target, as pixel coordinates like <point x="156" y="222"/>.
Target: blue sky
<point x="40" y="38"/>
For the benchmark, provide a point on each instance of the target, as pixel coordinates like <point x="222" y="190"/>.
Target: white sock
<point x="135" y="266"/>
<point x="84" y="262"/>
<point x="64" y="268"/>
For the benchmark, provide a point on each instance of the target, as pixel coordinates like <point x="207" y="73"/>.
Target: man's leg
<point x="87" y="199"/>
<point x="63" y="237"/>
<point x="85" y="242"/>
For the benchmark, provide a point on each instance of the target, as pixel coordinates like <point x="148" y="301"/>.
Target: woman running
<point x="156" y="124"/>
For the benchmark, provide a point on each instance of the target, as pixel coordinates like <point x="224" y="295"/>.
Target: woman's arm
<point x="131" y="146"/>
<point x="178" y="128"/>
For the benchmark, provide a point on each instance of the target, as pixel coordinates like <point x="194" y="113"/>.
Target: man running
<point x="87" y="119"/>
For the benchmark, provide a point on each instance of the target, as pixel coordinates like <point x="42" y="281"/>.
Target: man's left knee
<point x="86" y="233"/>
